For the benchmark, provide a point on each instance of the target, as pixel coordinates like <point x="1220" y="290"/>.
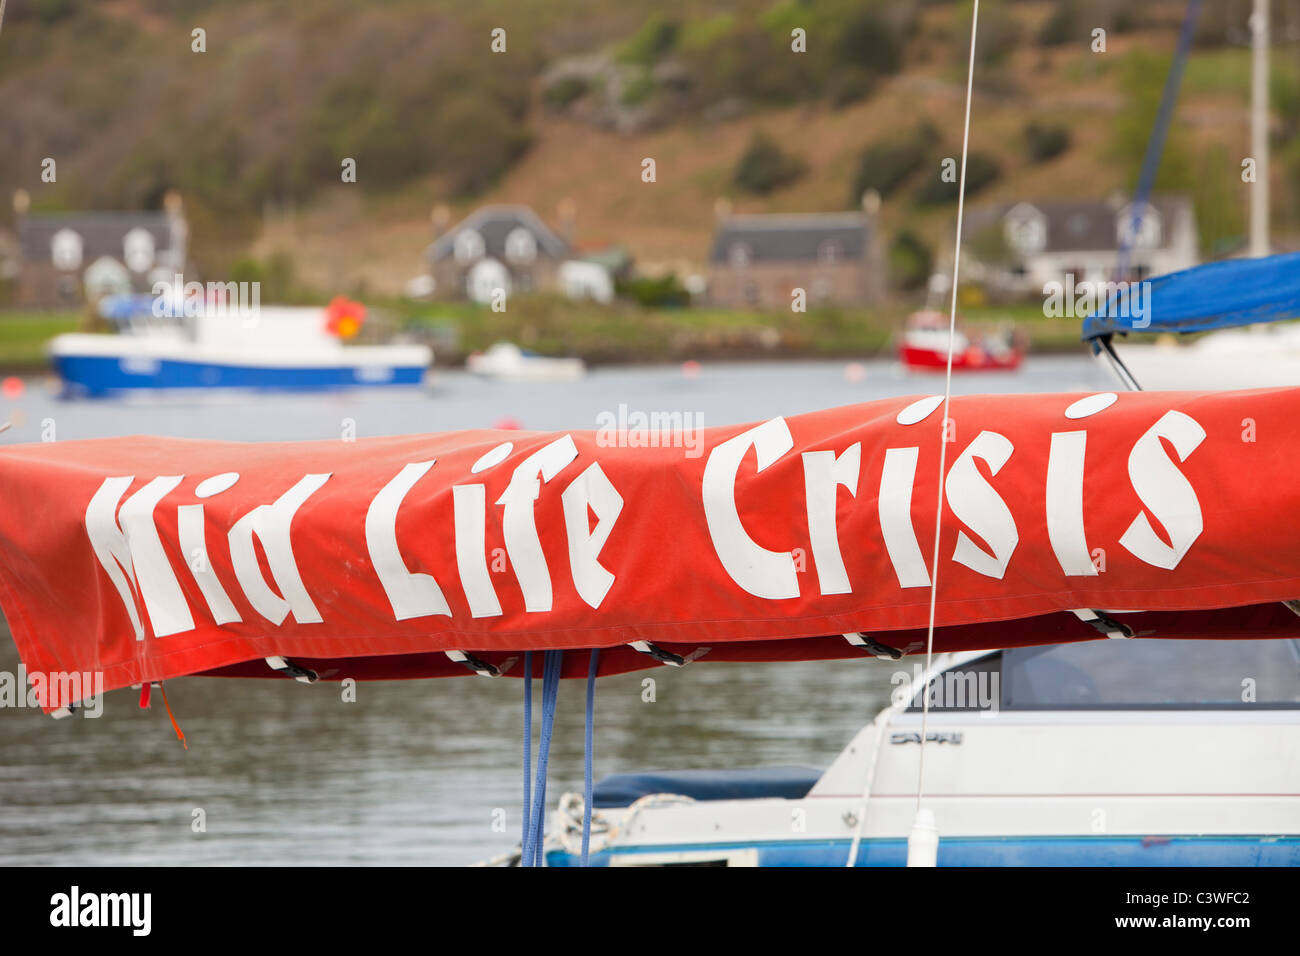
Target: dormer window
<point x="521" y="247"/>
<point x="1026" y="235"/>
<point x="828" y="252"/>
<point x="1147" y="232"/>
<point x="66" y="250"/>
<point x="138" y="250"/>
<point x="740" y="255"/>
<point x="468" y="247"/>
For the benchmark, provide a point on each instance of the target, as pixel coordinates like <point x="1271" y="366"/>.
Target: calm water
<point x="412" y="772"/>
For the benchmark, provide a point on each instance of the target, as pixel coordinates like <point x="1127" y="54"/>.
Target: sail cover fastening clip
<point x="658" y="653"/>
<point x="290" y="669"/>
<point x="875" y="648"/>
<point x="479" y="667"/>
<point x="1103" y="622"/>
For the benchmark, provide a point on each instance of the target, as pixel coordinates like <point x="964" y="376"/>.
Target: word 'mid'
<point x="126" y="541"/>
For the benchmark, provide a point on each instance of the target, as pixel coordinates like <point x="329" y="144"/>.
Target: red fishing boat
<point x="925" y="341"/>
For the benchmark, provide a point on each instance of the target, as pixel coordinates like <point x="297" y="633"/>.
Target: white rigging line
<point x="860" y="822"/>
<point x="947" y="397"/>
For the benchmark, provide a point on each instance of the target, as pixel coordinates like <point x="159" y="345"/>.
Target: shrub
<point x="850" y="85"/>
<point x="1044" y="141"/>
<point x="765" y="167"/>
<point x="480" y="141"/>
<point x="981" y="171"/>
<point x="661" y="292"/>
<point x="1061" y="27"/>
<point x="886" y="166"/>
<point x="562" y="93"/>
<point x="656" y="37"/>
<point x="867" y="40"/>
<point x="910" y="260"/>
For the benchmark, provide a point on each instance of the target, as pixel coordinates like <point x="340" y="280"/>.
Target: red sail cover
<point x="149" y="558"/>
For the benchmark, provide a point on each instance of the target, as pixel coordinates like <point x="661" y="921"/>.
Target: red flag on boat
<point x="1160" y="514"/>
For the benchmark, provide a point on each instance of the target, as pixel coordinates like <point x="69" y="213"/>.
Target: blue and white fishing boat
<point x="1111" y="752"/>
<point x="272" y="348"/>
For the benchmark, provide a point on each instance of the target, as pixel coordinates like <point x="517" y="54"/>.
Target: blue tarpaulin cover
<point x="1213" y="296"/>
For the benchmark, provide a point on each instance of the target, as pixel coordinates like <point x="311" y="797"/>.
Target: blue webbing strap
<point x="586" y="780"/>
<point x="551" y="666"/>
<point x="525" y="859"/>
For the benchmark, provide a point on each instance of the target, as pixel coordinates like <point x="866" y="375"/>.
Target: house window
<point x="828" y="253"/>
<point x="821" y="290"/>
<point x="1026" y="235"/>
<point x="138" y="250"/>
<point x="521" y="247"/>
<point x="741" y="255"/>
<point x="468" y="247"/>
<point x="65" y="250"/>
<point x="1147" y="233"/>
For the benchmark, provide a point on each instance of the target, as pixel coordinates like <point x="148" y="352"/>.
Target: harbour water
<point x="419" y="772"/>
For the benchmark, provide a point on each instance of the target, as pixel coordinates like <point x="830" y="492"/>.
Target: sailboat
<point x="369" y="560"/>
<point x="1217" y="298"/>
<point x="1239" y="309"/>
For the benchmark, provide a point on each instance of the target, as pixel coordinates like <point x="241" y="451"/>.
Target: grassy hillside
<point x="252" y="131"/>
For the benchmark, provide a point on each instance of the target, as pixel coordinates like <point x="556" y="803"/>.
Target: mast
<point x="1259" y="26"/>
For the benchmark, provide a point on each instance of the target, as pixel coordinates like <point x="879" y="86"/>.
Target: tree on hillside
<point x="765" y="167"/>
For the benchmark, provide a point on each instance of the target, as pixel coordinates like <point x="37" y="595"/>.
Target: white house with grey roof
<point x="1020" y="247"/>
<point x="760" y="261"/>
<point x="65" y="259"/>
<point x="503" y="248"/>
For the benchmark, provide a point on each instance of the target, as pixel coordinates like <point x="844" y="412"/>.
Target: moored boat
<point x="273" y="348"/>
<point x="507" y="362"/>
<point x="1241" y="305"/>
<point x="925" y="342"/>
<point x="1117" y="752"/>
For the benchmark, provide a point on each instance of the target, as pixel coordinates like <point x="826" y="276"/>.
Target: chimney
<point x="568" y="213"/>
<point x="174" y="206"/>
<point x="871" y="203"/>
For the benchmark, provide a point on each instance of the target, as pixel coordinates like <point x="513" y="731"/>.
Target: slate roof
<point x="1085" y="225"/>
<point x="792" y="238"/>
<point x="101" y="232"/>
<point x="494" y="223"/>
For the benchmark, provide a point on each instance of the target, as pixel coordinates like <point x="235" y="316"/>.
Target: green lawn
<point x="627" y="333"/>
<point x="624" y="332"/>
<point x="23" y="336"/>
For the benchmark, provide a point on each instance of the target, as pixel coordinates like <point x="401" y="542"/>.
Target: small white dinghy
<point x="507" y="362"/>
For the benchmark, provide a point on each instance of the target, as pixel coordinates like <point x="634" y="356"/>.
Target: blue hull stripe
<point x="1000" y="851"/>
<point x="87" y="375"/>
